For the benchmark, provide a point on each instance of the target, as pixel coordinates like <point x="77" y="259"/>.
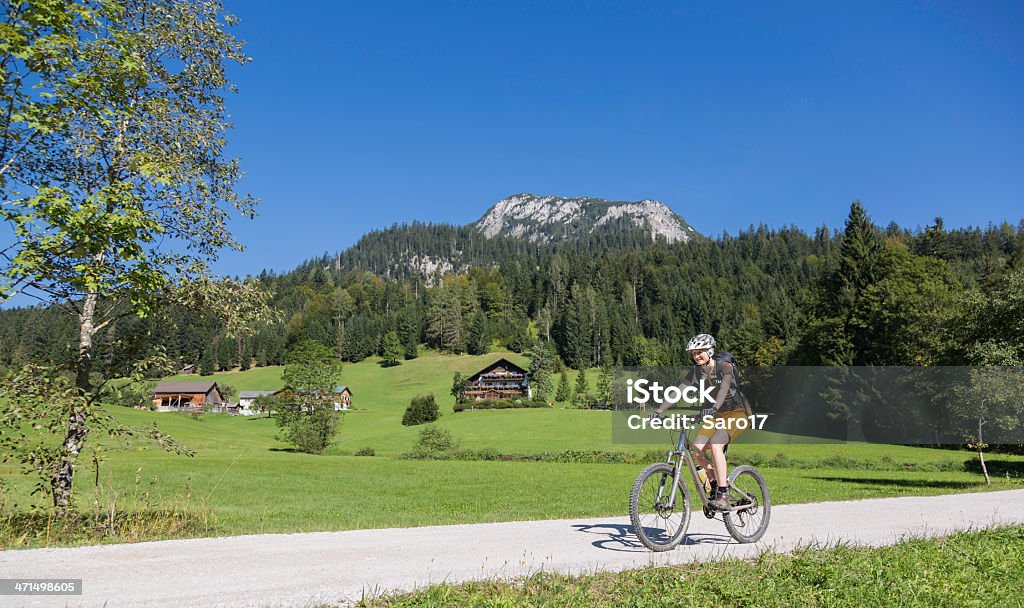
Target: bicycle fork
<point x="676" y="468"/>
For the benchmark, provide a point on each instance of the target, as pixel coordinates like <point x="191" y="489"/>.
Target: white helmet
<point x="705" y="342"/>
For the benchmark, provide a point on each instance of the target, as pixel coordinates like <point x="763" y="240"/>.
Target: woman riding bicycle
<point x="730" y="403"/>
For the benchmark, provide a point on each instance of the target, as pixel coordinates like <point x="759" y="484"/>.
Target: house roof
<point x="185" y="387"/>
<point x="337" y="389"/>
<point x="254" y="394"/>
<point x="503" y="362"/>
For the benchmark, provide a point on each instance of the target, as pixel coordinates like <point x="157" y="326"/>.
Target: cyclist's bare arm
<point x="723" y="389"/>
<point x="682" y="385"/>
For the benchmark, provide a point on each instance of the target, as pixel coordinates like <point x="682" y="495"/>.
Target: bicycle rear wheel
<point x="747" y="524"/>
<point x="659" y="525"/>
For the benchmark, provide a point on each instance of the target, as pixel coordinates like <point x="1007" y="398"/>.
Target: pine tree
<point x="479" y="335"/>
<point x="208" y="362"/>
<point x="226" y="353"/>
<point x="604" y="383"/>
<point x="860" y="253"/>
<point x="564" y="392"/>
<point x="445" y="324"/>
<point x="391" y="350"/>
<point x="245" y="355"/>
<point x="581" y="392"/>
<point x="520" y="339"/>
<point x="542" y="367"/>
<point x="409" y="331"/>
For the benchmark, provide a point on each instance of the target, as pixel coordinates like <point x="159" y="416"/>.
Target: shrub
<point x="366" y="452"/>
<point x="311" y="433"/>
<point x="134" y="394"/>
<point x="498" y="404"/>
<point x="434" y="443"/>
<point x="227" y="391"/>
<point x="422" y="409"/>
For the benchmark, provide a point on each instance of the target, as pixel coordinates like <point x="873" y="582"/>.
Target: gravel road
<point x="339" y="567"/>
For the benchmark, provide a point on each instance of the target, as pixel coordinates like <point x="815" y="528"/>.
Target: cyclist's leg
<point x="718" y="442"/>
<point x="700" y="446"/>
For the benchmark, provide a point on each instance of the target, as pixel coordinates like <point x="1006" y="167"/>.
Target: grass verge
<point x="978" y="568"/>
<point x="135" y="516"/>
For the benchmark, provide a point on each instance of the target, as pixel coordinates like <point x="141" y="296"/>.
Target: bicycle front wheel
<point x="752" y="503"/>
<point x="659" y="522"/>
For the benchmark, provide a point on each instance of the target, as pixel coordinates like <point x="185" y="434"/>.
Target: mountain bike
<point x="659" y="504"/>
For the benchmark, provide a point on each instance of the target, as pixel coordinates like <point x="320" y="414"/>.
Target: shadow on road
<point x="621" y="537"/>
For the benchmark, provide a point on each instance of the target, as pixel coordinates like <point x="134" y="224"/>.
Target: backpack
<point x="724" y="357"/>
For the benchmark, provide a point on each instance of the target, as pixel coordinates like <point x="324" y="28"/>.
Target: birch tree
<point x="113" y="175"/>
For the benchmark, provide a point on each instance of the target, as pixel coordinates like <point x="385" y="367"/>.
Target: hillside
<point x="770" y="296"/>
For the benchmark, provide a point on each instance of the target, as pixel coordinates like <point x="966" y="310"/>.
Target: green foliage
<point x="773" y="297"/>
<point x="422" y="409"/>
<point x="34" y="408"/>
<point x="113" y="173"/>
<point x="433" y="443"/>
<point x="479" y="335"/>
<point x="989" y="329"/>
<point x="133" y="394"/>
<point x="227" y="391"/>
<point x="445" y="322"/>
<point x="310" y="432"/>
<point x="519" y="339"/>
<point x="564" y="392"/>
<point x="991" y="402"/>
<point x="459" y="385"/>
<point x="542" y="369"/>
<point x="367" y="451"/>
<point x="605" y="378"/>
<point x="498" y="404"/>
<point x="581" y="390"/>
<point x="876" y="303"/>
<point x="269" y="404"/>
<point x="306" y="415"/>
<point x="137" y="513"/>
<point x="391" y="350"/>
<point x="311" y="367"/>
<point x="208" y="362"/>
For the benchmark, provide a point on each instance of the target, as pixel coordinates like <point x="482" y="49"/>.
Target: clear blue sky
<point x="356" y="115"/>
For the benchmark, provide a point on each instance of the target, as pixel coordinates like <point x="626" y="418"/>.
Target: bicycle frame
<point x="683" y="452"/>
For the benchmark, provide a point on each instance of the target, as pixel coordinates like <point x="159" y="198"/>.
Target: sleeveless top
<point x="723" y="376"/>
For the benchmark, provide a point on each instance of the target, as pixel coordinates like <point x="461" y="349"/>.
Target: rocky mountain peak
<point x="546" y="218"/>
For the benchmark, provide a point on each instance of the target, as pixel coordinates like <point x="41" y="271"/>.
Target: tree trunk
<point x="636" y="305"/>
<point x="78" y="428"/>
<point x="61" y="482"/>
<point x="981" y="455"/>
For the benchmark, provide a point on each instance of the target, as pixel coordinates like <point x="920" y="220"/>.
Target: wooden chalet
<point x="187" y="396"/>
<point x="499" y="380"/>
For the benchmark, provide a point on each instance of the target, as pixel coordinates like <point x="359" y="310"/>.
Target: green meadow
<point x="243" y="480"/>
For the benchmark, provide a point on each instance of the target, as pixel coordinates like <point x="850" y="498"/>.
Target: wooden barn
<point x="499" y="380"/>
<point x="188" y="396"/>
